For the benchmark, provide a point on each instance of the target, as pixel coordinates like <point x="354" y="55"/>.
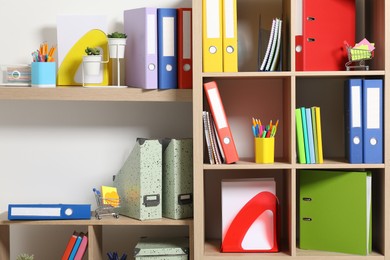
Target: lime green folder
<point x="335" y="211"/>
<point x="300" y="141"/>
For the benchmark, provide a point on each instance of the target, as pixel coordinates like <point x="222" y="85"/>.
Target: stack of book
<point x="76" y="247"/>
<point x="309" y="135"/>
<point x="213" y="144"/>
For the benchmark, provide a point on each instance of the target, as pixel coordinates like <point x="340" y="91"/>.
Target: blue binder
<point x="353" y="120"/>
<point x="48" y="211"/>
<point x="167" y="48"/>
<point x="373" y="120"/>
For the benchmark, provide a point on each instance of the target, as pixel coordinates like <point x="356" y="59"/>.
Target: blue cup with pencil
<point x="43" y="67"/>
<point x="264" y="141"/>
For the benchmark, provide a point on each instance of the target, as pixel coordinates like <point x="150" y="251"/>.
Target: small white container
<point x="117" y="47"/>
<point x="92" y="64"/>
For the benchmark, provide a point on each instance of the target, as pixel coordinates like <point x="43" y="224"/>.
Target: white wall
<point x="57" y="151"/>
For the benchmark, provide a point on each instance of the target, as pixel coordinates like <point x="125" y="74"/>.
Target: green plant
<point x="92" y="51"/>
<point x="116" y="35"/>
<point x="25" y="257"/>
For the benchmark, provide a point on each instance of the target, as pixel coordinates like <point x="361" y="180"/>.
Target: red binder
<point x="326" y="25"/>
<point x="184" y="34"/>
<point x="221" y="123"/>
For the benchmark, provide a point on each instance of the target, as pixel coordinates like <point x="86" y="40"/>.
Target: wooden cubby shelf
<point x="275" y="95"/>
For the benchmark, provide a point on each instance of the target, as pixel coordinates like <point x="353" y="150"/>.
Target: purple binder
<point x="140" y="25"/>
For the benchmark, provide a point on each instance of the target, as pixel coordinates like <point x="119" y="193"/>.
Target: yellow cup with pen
<point x="264" y="141"/>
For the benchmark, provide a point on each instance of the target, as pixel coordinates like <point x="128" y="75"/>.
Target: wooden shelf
<point x="285" y="74"/>
<point x="95" y="94"/>
<point x="248" y="164"/>
<point x="212" y="250"/>
<point x="110" y="221"/>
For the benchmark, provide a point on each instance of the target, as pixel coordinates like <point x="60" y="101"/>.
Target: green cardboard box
<point x="177" y="190"/>
<point x="163" y="248"/>
<point x="139" y="181"/>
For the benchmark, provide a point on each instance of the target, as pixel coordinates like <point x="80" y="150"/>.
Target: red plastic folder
<point x="221" y="123"/>
<point x="325" y="27"/>
<point x="184" y="35"/>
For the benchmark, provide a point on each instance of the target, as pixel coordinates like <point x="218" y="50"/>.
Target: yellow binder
<point x="212" y="36"/>
<point x="319" y="134"/>
<point x="229" y="42"/>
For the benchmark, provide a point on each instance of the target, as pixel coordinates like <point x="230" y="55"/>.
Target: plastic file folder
<point x="335" y="211"/>
<point x="325" y="25"/>
<point x="48" y="211"/>
<point x="140" y="25"/>
<point x="353" y="120"/>
<point x="373" y="121"/>
<point x="167" y="47"/>
<point x="212" y="36"/>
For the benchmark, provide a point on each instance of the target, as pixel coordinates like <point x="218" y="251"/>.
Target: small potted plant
<point x="92" y="61"/>
<point x="116" y="44"/>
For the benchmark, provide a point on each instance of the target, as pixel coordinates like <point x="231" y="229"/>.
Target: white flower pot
<point x="92" y="64"/>
<point x="117" y="47"/>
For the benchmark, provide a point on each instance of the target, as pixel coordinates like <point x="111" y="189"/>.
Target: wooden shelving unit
<point x="95" y="94"/>
<point x="277" y="95"/>
<point x="93" y="226"/>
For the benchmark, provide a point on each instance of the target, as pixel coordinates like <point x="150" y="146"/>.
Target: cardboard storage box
<point x="177" y="178"/>
<point x="162" y="248"/>
<point x="139" y="182"/>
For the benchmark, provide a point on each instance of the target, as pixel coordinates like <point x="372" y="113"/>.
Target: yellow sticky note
<point x="110" y="196"/>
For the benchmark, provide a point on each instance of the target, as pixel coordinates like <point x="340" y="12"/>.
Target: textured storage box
<point x="15" y="75"/>
<point x="162" y="248"/>
<point x="139" y="181"/>
<point x="177" y="178"/>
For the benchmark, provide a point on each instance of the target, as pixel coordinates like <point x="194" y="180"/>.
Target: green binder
<point x="335" y="211"/>
<point x="300" y="141"/>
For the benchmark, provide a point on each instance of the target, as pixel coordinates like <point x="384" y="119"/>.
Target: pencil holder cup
<point x="43" y="74"/>
<point x="264" y="150"/>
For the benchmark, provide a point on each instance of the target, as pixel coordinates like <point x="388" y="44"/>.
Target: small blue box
<point x="43" y="74"/>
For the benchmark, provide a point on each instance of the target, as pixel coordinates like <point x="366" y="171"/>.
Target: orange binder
<point x="184" y="33"/>
<point x="70" y="245"/>
<point x="221" y="123"/>
<point x="325" y="27"/>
